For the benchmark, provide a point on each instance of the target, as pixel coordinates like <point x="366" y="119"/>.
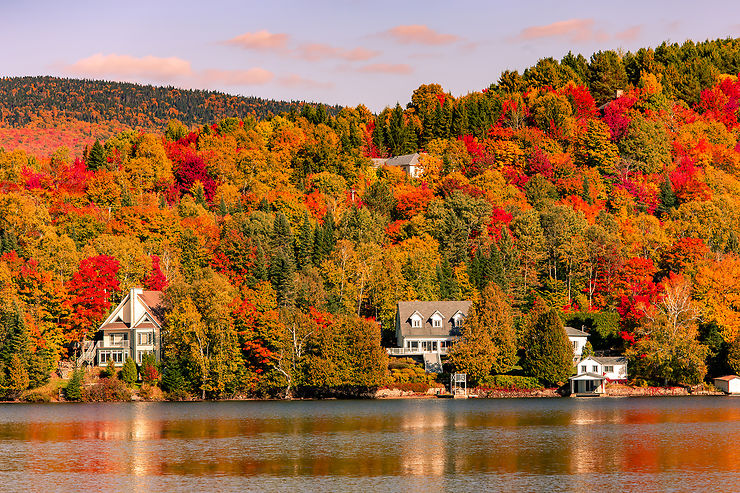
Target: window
<point x="608" y="369"/>
<point x="118" y="339"/>
<point x="437" y="323"/>
<point x="416" y="322"/>
<point x="117" y="355"/>
<point x="583" y="368"/>
<point x="146" y="338"/>
<point x="595" y="369"/>
<point x="414" y="344"/>
<point x="575" y="344"/>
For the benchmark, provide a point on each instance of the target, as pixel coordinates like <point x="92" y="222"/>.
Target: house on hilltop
<point x="409" y="163"/>
<point x="132" y="329"/>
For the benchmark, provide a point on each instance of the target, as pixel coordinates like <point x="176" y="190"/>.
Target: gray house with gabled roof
<point x="409" y="163"/>
<point x="428" y="326"/>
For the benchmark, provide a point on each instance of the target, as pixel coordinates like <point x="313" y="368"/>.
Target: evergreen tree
<point x="96" y="159"/>
<point x="73" y="390"/>
<point x="668" y="199"/>
<point x="548" y="354"/>
<point x="304" y="243"/>
<point x="129" y="373"/>
<point x="282" y="273"/>
<point x="110" y="369"/>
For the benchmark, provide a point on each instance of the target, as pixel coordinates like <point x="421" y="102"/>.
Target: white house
<point x="428" y="326"/>
<point x="578" y="339"/>
<point x="729" y="384"/>
<point x="612" y="368"/>
<point x="132" y="329"/>
<point x="409" y="163"/>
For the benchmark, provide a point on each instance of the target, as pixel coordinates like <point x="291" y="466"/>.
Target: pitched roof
<point x="610" y="360"/>
<point x="405" y="160"/>
<point x="727" y="378"/>
<point x="426" y="309"/>
<point x="152" y="301"/>
<point x="588" y="376"/>
<point x="575" y="332"/>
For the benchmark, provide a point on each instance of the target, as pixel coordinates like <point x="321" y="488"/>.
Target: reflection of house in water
<point x="425" y="442"/>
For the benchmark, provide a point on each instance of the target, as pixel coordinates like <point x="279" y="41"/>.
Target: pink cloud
<point x="115" y="65"/>
<point x="575" y="30"/>
<point x="294" y="80"/>
<point x="253" y="76"/>
<point x="387" y="68"/>
<point x="261" y="41"/>
<point x="630" y="34"/>
<point x="420" y="34"/>
<point x="320" y="51"/>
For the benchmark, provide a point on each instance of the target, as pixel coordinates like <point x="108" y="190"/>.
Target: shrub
<point x="107" y="390"/>
<point x="511" y="382"/>
<point x="36" y="397"/>
<point x="417" y="387"/>
<point x="110" y="369"/>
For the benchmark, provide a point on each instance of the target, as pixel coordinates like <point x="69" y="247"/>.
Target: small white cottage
<point x="729" y="384"/>
<point x="611" y="368"/>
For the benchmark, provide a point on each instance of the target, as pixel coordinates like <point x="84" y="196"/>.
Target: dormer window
<point x="416" y="320"/>
<point x="458" y="319"/>
<point x="436" y="319"/>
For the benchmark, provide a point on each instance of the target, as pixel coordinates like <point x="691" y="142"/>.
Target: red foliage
<point x="615" y="116"/>
<point x="316" y="204"/>
<point x="539" y="163"/>
<point x="684" y="252"/>
<point x="451" y="183"/>
<point x="581" y="100"/>
<point x="156" y="280"/>
<point x="686" y="183"/>
<point x="90" y="289"/>
<point x="190" y="168"/>
<point x="411" y="201"/>
<point x="636" y="291"/>
<point x="721" y="102"/>
<point x="515" y="176"/>
<point x="499" y="219"/>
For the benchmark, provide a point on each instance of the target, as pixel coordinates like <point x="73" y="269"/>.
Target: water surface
<point x="647" y="444"/>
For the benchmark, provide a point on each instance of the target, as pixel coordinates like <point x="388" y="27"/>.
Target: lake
<point x="596" y="444"/>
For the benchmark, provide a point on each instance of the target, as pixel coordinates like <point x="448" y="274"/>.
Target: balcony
<point x="405" y="351"/>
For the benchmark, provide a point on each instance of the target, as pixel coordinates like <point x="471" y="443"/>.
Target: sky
<point x="336" y="52"/>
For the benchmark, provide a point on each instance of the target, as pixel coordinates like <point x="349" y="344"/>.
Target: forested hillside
<point x="280" y="244"/>
<point x="38" y="114"/>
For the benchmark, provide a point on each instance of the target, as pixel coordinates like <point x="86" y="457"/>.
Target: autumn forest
<point x="606" y="189"/>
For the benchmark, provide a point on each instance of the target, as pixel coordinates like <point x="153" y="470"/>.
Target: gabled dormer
<point x="416" y="320"/>
<point x="457" y="319"/>
<point x="437" y="320"/>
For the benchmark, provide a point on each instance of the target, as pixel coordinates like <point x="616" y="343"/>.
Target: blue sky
<point x="344" y="52"/>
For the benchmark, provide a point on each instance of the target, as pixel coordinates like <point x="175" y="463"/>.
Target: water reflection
<point x="522" y="444"/>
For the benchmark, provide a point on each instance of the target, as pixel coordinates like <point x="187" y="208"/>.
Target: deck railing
<point x="405" y="351"/>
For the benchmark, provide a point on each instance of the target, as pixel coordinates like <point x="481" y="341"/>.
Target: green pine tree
<point x="73" y="390"/>
<point x="548" y="354"/>
<point x="96" y="158"/>
<point x="129" y="372"/>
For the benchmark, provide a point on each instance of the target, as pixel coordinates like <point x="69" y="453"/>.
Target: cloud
<point x="114" y="65"/>
<point x="387" y="68"/>
<point x="294" y="80"/>
<point x="420" y="34"/>
<point x="630" y="34"/>
<point x="260" y="41"/>
<point x="319" y="51"/>
<point x="575" y="30"/>
<point x="251" y="77"/>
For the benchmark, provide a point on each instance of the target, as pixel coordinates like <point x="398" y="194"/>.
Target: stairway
<point x="432" y="363"/>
